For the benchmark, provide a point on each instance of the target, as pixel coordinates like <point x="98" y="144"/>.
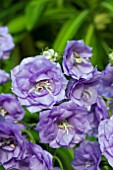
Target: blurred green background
<point x="37" y="24"/>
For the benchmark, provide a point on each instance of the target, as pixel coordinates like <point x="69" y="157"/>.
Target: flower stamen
<point x="87" y="165"/>
<point x="65" y="126"/>
<point x="3" y="112"/>
<point x="86" y="94"/>
<point x="7" y="142"/>
<point x="43" y="85"/>
<point x="78" y="59"/>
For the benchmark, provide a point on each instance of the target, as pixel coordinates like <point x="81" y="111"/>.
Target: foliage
<point x="36" y="24"/>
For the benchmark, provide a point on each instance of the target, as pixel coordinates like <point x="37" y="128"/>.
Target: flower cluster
<point x="73" y="103"/>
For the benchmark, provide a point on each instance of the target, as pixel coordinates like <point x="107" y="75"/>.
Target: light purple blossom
<point x="4" y="77"/>
<point x="84" y="92"/>
<point x="10" y="107"/>
<point x="6" y="43"/>
<point x="38" y="83"/>
<point x="37" y="158"/>
<point x="76" y="61"/>
<point x="12" y="145"/>
<point x="105" y="138"/>
<point x="87" y="156"/>
<point x="106" y="88"/>
<point x="64" y="125"/>
<point x="97" y="113"/>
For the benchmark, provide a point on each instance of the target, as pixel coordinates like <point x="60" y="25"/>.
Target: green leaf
<point x="12" y="10"/>
<point x="33" y="12"/>
<point x="17" y="24"/>
<point x="57" y="15"/>
<point x="66" y="156"/>
<point x="80" y="4"/>
<point x="108" y="6"/>
<point x="1" y="168"/>
<point x="89" y="34"/>
<point x="98" y="51"/>
<point x="68" y="30"/>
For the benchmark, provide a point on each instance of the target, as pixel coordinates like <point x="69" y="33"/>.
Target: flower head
<point x="84" y="92"/>
<point x="12" y="145"/>
<point x="63" y="125"/>
<point x="38" y="83"/>
<point x="37" y="158"/>
<point x="105" y="138"/>
<point x="106" y="88"/>
<point x="87" y="156"/>
<point x="6" y="43"/>
<point x="10" y="107"/>
<point x="50" y="54"/>
<point x="76" y="61"/>
<point x="4" y="77"/>
<point x="97" y="113"/>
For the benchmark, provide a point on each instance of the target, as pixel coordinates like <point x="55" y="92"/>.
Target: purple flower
<point x="105" y="138"/>
<point x="10" y="107"/>
<point x="38" y="83"/>
<point x="6" y="43"/>
<point x="106" y="88"/>
<point x="97" y="113"/>
<point x="64" y="125"/>
<point x="2" y="119"/>
<point x="37" y="158"/>
<point x="76" y="61"/>
<point x="4" y="77"/>
<point x="87" y="156"/>
<point x="84" y="92"/>
<point x="12" y="146"/>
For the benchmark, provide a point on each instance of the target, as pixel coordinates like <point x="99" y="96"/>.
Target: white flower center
<point x="86" y="94"/>
<point x="7" y="142"/>
<point x="65" y="126"/>
<point x="3" y="112"/>
<point x="78" y="59"/>
<point x="43" y="85"/>
<point x="87" y="165"/>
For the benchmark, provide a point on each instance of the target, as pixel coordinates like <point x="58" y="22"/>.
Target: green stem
<point x="29" y="134"/>
<point x="58" y="160"/>
<point x="1" y="88"/>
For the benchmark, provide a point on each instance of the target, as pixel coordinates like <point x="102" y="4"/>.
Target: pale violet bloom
<point x="105" y="138"/>
<point x="10" y="107"/>
<point x="87" y="156"/>
<point x="38" y="83"/>
<point x="84" y="92"/>
<point x="12" y="145"/>
<point x="4" y="77"/>
<point x="106" y="88"/>
<point x="76" y="60"/>
<point x="6" y="43"/>
<point x="64" y="125"/>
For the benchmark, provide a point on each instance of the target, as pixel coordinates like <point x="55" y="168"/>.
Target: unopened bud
<point x="50" y="54"/>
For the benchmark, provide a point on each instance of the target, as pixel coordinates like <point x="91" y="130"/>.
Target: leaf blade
<point x="69" y="32"/>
